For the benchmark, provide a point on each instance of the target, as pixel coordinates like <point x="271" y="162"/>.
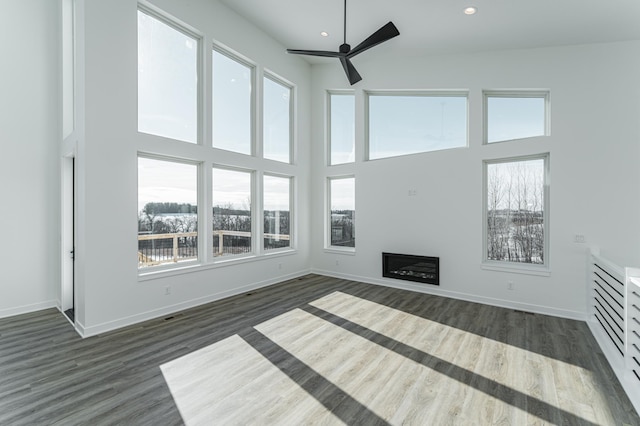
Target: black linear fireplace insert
<point x="423" y="269"/>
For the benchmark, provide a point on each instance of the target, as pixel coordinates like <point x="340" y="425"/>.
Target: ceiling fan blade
<point x="324" y="53"/>
<point x="350" y="70"/>
<point x="388" y="31"/>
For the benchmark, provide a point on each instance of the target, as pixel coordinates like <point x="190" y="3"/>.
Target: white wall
<point x="113" y="294"/>
<point x="29" y="137"/>
<point x="594" y="184"/>
<point x="594" y="149"/>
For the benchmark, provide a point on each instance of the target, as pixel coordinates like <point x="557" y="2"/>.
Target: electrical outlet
<point x="510" y="285"/>
<point x="412" y="192"/>
<point x="279" y="265"/>
<point x="579" y="239"/>
<point x="337" y="262"/>
<point x="167" y="290"/>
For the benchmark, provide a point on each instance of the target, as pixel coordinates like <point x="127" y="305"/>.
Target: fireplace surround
<point x="422" y="269"/>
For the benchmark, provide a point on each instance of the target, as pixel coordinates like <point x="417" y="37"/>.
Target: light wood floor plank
<point x="313" y="350"/>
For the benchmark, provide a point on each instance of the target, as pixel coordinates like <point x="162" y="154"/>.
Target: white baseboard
<point x="167" y="310"/>
<point x="26" y="309"/>
<point x="436" y="291"/>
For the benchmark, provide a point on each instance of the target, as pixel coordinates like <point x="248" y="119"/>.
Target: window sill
<point x="541" y="271"/>
<point x="337" y="250"/>
<point x="166" y="271"/>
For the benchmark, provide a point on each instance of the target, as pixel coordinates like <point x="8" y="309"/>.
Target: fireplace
<point x="422" y="269"/>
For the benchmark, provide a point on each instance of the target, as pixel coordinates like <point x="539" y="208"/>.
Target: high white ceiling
<point x="440" y="26"/>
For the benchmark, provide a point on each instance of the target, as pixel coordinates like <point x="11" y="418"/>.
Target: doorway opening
<point x="67" y="298"/>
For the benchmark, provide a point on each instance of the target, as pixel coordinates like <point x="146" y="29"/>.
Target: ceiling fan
<point x="345" y="52"/>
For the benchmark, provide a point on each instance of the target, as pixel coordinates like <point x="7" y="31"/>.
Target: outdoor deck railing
<point x="174" y="247"/>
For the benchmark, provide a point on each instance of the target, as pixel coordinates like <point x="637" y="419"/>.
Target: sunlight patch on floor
<point x="401" y="367"/>
<point x="230" y="382"/>
<point x="529" y="372"/>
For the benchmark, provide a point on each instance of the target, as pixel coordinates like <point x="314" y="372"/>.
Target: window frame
<point x="292" y="118"/>
<point x="411" y="93"/>
<point x="202" y="253"/>
<point x="292" y="221"/>
<point x="328" y="247"/>
<point x="188" y="31"/>
<point x="329" y="125"/>
<point x="68" y="90"/>
<point x="532" y="93"/>
<point x="208" y="158"/>
<point x="543" y="269"/>
<point x="253" y="102"/>
<point x="253" y="215"/>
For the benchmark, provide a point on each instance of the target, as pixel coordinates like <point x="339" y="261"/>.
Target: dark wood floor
<point x="471" y="363"/>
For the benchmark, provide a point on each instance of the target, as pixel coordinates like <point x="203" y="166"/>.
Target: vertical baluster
<point x="175" y="248"/>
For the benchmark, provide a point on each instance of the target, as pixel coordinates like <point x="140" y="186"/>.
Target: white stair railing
<point x="614" y="319"/>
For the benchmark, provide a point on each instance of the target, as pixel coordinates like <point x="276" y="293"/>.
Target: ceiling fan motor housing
<point x="345" y="53"/>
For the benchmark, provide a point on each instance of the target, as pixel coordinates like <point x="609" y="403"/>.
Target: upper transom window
<point x="232" y="104"/>
<point x="515" y="115"/>
<point x="276" y="120"/>
<point x="167" y="80"/>
<point x="401" y="124"/>
<point x="342" y="113"/>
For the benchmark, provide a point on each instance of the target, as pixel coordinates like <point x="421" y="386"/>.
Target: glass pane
<point x="515" y="211"/>
<point x="167" y="81"/>
<point x="276" y="121"/>
<point x="231" y="104"/>
<point x="342" y="128"/>
<point x="167" y="212"/>
<point x="511" y="118"/>
<point x="231" y="212"/>
<point x="68" y="60"/>
<point x="400" y="125"/>
<point x="276" y="212"/>
<point x="343" y="212"/>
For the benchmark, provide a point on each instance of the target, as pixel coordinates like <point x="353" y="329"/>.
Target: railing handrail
<point x="218" y="232"/>
<point x="166" y="236"/>
<point x="232" y="233"/>
<point x="277" y="236"/>
<point x="175" y="236"/>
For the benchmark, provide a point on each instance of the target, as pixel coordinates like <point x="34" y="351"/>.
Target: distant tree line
<point x="228" y="218"/>
<point x="165" y="218"/>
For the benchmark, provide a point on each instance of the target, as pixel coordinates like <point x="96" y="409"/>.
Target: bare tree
<point x="495" y="194"/>
<point x="515" y="228"/>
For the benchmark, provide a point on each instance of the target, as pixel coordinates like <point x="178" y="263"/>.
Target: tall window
<point x="167" y="80"/>
<point x="167" y="212"/>
<point x="515" y="115"/>
<point x="516" y="210"/>
<point x="414" y="123"/>
<point x="68" y="62"/>
<point x="276" y="120"/>
<point x="341" y="128"/>
<point x="277" y="212"/>
<point x="342" y="214"/>
<point x="232" y="227"/>
<point x="232" y="104"/>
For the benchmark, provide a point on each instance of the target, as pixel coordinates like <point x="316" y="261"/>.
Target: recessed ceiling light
<point x="324" y="34"/>
<point x="471" y="10"/>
